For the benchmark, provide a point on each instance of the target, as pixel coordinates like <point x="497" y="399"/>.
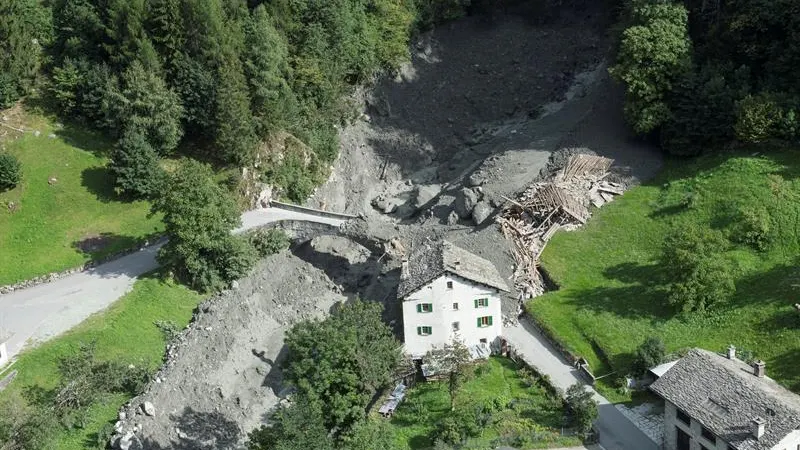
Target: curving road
<point x="41" y="312"/>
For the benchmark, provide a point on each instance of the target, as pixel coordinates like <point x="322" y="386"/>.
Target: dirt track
<point x="496" y="97"/>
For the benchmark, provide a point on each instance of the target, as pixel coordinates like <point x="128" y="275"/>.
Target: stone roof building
<point x="449" y="293"/>
<point x="429" y="263"/>
<point x="716" y="402"/>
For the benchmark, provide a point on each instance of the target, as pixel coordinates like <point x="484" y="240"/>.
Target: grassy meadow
<point x="612" y="288"/>
<point x="64" y="212"/>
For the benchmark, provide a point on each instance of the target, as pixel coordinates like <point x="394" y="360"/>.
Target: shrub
<point x="448" y="431"/>
<point x="168" y="328"/>
<point x="757" y="118"/>
<point x="699" y="274"/>
<point x="649" y="354"/>
<point x="10" y="171"/>
<point x="582" y="407"/>
<point x="269" y="242"/>
<point x="753" y="227"/>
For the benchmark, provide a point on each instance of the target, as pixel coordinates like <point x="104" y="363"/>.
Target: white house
<point x="448" y="292"/>
<point x="718" y="402"/>
<point x="4" y="337"/>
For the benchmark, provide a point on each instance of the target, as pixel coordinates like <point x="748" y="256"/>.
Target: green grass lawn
<point x="519" y="410"/>
<point x="77" y="218"/>
<point x="612" y="296"/>
<point x="125" y="332"/>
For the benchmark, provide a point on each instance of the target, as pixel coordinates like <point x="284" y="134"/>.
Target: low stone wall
<point x="53" y="276"/>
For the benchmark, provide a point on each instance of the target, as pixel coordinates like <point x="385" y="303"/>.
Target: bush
<point x="649" y="354"/>
<point x="698" y="272"/>
<point x="269" y="242"/>
<point x="448" y="431"/>
<point x="582" y="407"/>
<point x="753" y="227"/>
<point x="10" y="171"/>
<point x="757" y="118"/>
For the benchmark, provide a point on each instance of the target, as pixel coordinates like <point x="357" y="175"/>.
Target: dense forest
<point x="701" y="74"/>
<point x="210" y="79"/>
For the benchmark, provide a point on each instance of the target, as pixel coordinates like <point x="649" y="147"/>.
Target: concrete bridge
<point x="41" y="312"/>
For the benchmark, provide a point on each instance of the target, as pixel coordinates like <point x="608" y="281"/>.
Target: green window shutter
<point x="419" y="307"/>
<point x="486" y="302"/>
<point x="476" y="302"/>
<point x="490" y="320"/>
<point x="479" y="322"/>
<point x="419" y="331"/>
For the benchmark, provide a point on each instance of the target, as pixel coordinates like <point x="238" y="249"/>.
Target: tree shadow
<point x="779" y="285"/>
<point x="103" y="244"/>
<point x="642" y="282"/>
<point x="100" y="182"/>
<point x="786" y="369"/>
<point x="199" y="431"/>
<point x="84" y="138"/>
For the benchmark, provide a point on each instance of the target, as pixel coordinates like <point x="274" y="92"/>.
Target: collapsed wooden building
<point x="563" y="201"/>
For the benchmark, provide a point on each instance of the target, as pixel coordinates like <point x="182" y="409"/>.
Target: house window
<point x="449" y="285"/>
<point x="481" y="302"/>
<point x="456" y="326"/>
<point x="455" y="306"/>
<point x="684" y="442"/>
<point x="484" y="341"/>
<point x="683" y="417"/>
<point x="424" y="331"/>
<point x="485" y="321"/>
<point x="424" y="307"/>
<point x="706" y="433"/>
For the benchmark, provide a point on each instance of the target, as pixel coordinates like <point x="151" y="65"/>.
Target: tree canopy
<point x="339" y="363"/>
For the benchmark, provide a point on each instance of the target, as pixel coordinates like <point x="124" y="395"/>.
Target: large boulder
<point x="477" y="178"/>
<point x="466" y="199"/>
<point x="149" y="409"/>
<point x="128" y="441"/>
<point x="481" y="212"/>
<point x="423" y="194"/>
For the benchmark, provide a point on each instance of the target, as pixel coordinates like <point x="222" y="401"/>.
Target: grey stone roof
<point x="725" y="396"/>
<point x="430" y="263"/>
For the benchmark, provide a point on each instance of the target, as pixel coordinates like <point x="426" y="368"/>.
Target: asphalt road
<point x="616" y="432"/>
<point x="39" y="313"/>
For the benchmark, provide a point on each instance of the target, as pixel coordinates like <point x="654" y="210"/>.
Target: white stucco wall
<point x="790" y="442"/>
<point x="3" y="354"/>
<point x="464" y="292"/>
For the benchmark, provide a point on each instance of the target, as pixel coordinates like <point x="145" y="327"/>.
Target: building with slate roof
<point x="448" y="293"/>
<point x="718" y="402"/>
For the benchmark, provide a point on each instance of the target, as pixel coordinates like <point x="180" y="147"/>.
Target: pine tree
<point x="135" y="166"/>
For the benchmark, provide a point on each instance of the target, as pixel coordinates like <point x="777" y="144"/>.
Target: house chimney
<point x="759" y="425"/>
<point x="759" y="368"/>
<point x="404" y="269"/>
<point x="731" y="352"/>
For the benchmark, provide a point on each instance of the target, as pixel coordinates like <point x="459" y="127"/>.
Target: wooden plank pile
<point x="547" y="206"/>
